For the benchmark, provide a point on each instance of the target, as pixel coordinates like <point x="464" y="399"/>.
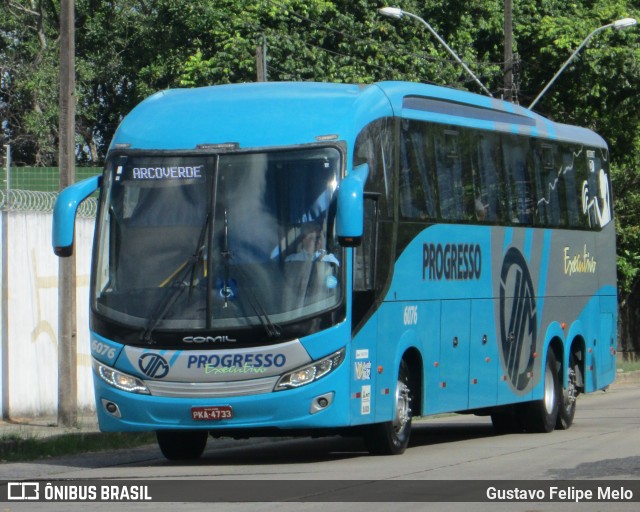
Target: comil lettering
<point x="579" y="263"/>
<point x="167" y="173"/>
<point x="451" y="261"/>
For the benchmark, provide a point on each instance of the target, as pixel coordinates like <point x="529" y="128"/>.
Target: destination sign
<point x="186" y="172"/>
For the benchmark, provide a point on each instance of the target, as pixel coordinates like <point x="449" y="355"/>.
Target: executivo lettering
<point x="581" y="263"/>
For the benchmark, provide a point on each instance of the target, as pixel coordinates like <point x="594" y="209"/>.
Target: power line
<point x="374" y="41"/>
<point x="274" y="35"/>
<point x="484" y="66"/>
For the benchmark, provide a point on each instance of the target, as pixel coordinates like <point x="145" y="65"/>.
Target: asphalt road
<point x="603" y="443"/>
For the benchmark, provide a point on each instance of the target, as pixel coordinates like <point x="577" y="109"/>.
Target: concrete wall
<point x="30" y="350"/>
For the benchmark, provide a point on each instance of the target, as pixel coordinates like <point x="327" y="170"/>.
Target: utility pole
<point x="508" y="50"/>
<point x="261" y="59"/>
<point x="6" y="395"/>
<point x="67" y="329"/>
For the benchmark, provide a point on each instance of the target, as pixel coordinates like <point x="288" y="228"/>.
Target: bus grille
<point x="211" y="389"/>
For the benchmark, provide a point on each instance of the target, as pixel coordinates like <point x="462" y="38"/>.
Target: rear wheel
<point x="541" y="415"/>
<point x="392" y="437"/>
<point x="182" y="444"/>
<point x="567" y="398"/>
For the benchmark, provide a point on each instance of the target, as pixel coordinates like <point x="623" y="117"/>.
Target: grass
<point x="629" y="366"/>
<point x="17" y="448"/>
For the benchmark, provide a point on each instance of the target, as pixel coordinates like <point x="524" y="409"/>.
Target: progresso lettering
<point x="451" y="261"/>
<point x="167" y="173"/>
<point x="236" y="361"/>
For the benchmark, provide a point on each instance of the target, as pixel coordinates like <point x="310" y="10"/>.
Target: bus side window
<point x="373" y="259"/>
<point x="449" y="174"/>
<point x="602" y="194"/>
<point x="374" y="146"/>
<point x="555" y="189"/>
<point x="571" y="205"/>
<point x="410" y="190"/>
<point x="546" y="188"/>
<point x="364" y="263"/>
<point x="517" y="175"/>
<point x="595" y="196"/>
<point x="364" y="258"/>
<point x="489" y="169"/>
<point x="416" y="181"/>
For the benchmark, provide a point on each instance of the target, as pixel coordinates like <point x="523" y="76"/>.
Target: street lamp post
<point x="397" y="13"/>
<point x="618" y="25"/>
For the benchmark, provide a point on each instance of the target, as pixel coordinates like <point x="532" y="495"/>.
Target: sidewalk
<point x="47" y="426"/>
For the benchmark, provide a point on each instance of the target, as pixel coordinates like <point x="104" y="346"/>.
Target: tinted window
<point x="456" y="174"/>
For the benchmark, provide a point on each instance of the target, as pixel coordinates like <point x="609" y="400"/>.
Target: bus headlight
<point x="119" y="380"/>
<point x="311" y="372"/>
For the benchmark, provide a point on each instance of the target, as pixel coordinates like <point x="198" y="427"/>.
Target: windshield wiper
<point x="226" y="256"/>
<point x="272" y="329"/>
<point x="177" y="284"/>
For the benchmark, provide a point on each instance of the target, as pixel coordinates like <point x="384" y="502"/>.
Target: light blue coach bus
<point x="309" y="257"/>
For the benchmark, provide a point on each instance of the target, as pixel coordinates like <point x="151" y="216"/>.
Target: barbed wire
<point x="37" y="201"/>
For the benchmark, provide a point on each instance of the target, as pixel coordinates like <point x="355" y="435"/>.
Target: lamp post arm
<point x="453" y="54"/>
<point x="568" y="61"/>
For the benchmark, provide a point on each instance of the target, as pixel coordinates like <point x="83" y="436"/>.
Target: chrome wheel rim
<point x="571" y="394"/>
<point x="549" y="391"/>
<point x="403" y="407"/>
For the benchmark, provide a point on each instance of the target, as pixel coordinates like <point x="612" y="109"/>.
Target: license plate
<point x="214" y="413"/>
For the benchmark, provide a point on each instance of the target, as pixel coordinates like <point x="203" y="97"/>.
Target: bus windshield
<point x="208" y="242"/>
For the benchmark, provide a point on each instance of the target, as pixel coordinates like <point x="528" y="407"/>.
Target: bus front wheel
<point x="182" y="444"/>
<point x="392" y="437"/>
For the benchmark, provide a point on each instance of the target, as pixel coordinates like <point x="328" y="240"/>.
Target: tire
<point x="541" y="415"/>
<point x="567" y="399"/>
<point x="182" y="444"/>
<point x="392" y="437"/>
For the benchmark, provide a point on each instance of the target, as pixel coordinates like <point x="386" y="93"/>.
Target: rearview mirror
<point x="64" y="214"/>
<point x="350" y="214"/>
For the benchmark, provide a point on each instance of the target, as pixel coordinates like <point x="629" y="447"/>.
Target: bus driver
<point x="310" y="247"/>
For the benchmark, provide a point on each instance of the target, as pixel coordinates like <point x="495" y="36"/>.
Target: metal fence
<point x="36" y="188"/>
<point x="36" y="201"/>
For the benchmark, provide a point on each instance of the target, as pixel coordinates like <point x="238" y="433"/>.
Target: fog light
<point x="112" y="408"/>
<point x="321" y="402"/>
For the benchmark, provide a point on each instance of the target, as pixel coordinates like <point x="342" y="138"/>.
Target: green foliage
<point x="128" y="49"/>
<point x="28" y="67"/>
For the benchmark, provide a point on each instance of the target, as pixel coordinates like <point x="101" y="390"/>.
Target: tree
<point x="129" y="49"/>
<point x="28" y="67"/>
<point x="598" y="90"/>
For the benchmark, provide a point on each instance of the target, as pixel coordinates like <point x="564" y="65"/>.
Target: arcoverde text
<point x="163" y="173"/>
